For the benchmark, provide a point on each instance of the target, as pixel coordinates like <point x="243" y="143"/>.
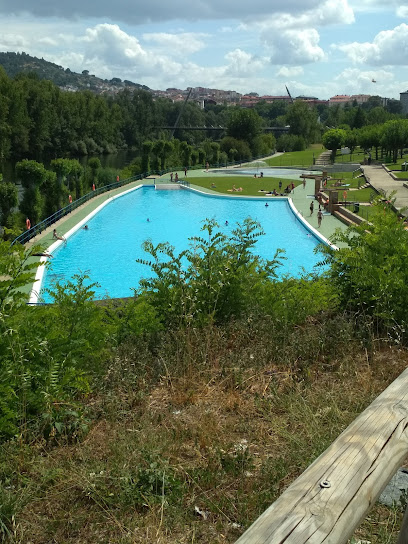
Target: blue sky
<point x="315" y="48"/>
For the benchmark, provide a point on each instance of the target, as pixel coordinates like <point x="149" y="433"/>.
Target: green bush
<point x="220" y="280"/>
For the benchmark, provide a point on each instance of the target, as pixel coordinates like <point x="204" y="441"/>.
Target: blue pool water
<point x="108" y="250"/>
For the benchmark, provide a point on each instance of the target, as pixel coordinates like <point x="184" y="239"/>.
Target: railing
<point x="39" y="227"/>
<point x="357" y="208"/>
<point x="332" y="497"/>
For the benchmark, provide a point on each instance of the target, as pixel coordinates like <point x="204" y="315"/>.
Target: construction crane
<point x="290" y="96"/>
<point x="179" y="115"/>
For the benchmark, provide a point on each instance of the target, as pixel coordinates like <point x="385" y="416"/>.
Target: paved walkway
<point x="381" y="180"/>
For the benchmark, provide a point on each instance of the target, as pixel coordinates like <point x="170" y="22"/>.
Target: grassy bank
<point x="191" y="441"/>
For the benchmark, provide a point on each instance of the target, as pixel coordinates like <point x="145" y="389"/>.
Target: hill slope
<point x="15" y="63"/>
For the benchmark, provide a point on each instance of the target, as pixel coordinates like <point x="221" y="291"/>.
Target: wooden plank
<point x="403" y="536"/>
<point x="357" y="466"/>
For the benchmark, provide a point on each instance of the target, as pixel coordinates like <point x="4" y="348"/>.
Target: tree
<point x="8" y="200"/>
<point x="147" y="148"/>
<point x="94" y="165"/>
<point x="32" y="175"/>
<point x="303" y="121"/>
<point x="241" y="148"/>
<point x="244" y="124"/>
<point x="334" y="139"/>
<point x="394" y="137"/>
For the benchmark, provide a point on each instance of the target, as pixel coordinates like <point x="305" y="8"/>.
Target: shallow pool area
<point x="108" y="249"/>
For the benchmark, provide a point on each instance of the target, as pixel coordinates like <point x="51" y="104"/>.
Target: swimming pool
<point x="108" y="250"/>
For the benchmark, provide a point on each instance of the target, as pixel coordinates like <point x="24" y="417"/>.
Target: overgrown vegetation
<point x="182" y="414"/>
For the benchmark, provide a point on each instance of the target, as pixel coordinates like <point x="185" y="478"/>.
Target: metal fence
<point x="358" y="208"/>
<point x="39" y="227"/>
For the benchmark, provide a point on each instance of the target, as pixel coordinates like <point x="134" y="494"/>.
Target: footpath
<point x="382" y="181"/>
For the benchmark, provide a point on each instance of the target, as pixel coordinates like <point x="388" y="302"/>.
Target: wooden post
<point x="332" y="497"/>
<point x="403" y="536"/>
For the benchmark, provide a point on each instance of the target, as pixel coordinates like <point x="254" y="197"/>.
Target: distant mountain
<point x="15" y="63"/>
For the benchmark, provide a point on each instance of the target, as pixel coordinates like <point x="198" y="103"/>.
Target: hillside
<point x="16" y="63"/>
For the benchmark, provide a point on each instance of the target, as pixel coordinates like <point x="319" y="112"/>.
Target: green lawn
<point x="400" y="175"/>
<point x="297" y="158"/>
<point x="361" y="195"/>
<point x="250" y="185"/>
<point x="356" y="156"/>
<point x="352" y="182"/>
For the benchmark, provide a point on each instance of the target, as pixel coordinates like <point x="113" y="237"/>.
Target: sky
<point x="315" y="48"/>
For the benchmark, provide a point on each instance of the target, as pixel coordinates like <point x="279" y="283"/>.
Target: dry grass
<point x="223" y="426"/>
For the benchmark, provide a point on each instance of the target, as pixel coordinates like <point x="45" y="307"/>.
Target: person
<point x="280" y="185"/>
<point x="93" y="186"/>
<point x="226" y="223"/>
<point x="311" y="207"/>
<point x="171" y="176"/>
<point x="304" y="183"/>
<point x="261" y="176"/>
<point x="185" y="171"/>
<point x="266" y="205"/>
<point x="70" y="199"/>
<point x="274" y="192"/>
<point x="85" y="227"/>
<point x="213" y="186"/>
<point x="176" y="178"/>
<point x="58" y="236"/>
<point x="319" y="218"/>
<point x="28" y="224"/>
<point x="148" y="220"/>
<point x="207" y="166"/>
<point x="344" y="195"/>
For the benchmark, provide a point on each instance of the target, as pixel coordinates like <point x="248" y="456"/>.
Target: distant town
<point x="203" y="96"/>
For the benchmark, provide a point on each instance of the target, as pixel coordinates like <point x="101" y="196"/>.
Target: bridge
<point x="276" y="130"/>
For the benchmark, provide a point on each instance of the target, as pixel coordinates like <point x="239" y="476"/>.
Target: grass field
<point x="297" y="158"/>
<point x="250" y="186"/>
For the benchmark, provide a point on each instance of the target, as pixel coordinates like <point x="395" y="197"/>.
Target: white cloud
<point x="293" y="71"/>
<point x="242" y="64"/>
<point x="294" y="47"/>
<point x="355" y="81"/>
<point x="402" y="11"/>
<point x="180" y="44"/>
<point x="389" y="47"/>
<point x="13" y="41"/>
<point x="47" y="41"/>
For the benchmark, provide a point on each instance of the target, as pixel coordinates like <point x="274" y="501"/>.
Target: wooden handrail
<point x="332" y="497"/>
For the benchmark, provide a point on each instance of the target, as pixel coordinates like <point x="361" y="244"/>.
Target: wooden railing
<point x="332" y="497"/>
